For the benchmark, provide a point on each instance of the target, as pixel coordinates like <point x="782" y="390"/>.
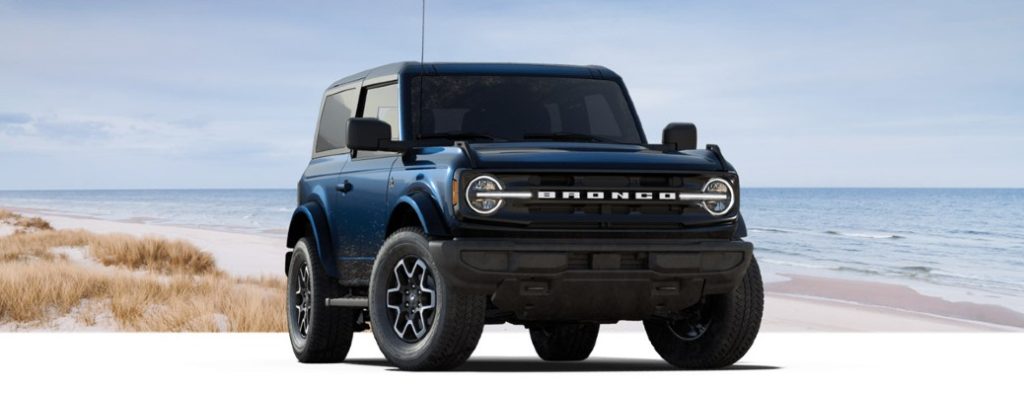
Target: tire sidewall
<point x="396" y="350"/>
<point x="303" y="255"/>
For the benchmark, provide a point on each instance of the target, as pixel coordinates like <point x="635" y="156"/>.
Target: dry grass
<point x="24" y="224"/>
<point x="151" y="284"/>
<point x="159" y="255"/>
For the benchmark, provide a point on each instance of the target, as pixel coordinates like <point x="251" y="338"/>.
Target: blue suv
<point x="443" y="197"/>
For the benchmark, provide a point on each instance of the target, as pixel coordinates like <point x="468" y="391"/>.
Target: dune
<point x="77" y="280"/>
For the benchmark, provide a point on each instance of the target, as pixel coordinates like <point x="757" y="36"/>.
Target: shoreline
<point x="150" y="221"/>
<point x="798" y="303"/>
<point x="243" y="254"/>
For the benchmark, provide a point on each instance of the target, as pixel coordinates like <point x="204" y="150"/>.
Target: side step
<point x="351" y="301"/>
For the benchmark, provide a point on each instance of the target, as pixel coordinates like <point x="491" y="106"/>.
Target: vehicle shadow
<point x="514" y="365"/>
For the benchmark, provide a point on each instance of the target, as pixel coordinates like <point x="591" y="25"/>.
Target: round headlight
<point x="725" y="197"/>
<point x="483" y="204"/>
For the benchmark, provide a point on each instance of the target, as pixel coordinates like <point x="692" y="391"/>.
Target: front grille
<point x="582" y="214"/>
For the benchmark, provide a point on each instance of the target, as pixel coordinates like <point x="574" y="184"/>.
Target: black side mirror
<point x="681" y="135"/>
<point x="369" y="134"/>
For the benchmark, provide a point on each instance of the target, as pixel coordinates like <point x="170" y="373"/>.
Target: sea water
<point x="965" y="241"/>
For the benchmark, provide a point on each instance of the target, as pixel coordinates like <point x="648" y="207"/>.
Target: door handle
<point x="344" y="187"/>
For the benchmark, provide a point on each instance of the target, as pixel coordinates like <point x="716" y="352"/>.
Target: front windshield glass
<point x="517" y="108"/>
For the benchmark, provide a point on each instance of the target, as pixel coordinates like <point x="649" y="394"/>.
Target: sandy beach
<point x="797" y="303"/>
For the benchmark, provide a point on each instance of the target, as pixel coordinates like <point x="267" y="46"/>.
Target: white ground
<point x="504" y="363"/>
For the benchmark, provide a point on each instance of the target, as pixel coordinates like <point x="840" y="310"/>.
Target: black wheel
<point x="318" y="333"/>
<point x="564" y="342"/>
<point x="715" y="333"/>
<point x="420" y="322"/>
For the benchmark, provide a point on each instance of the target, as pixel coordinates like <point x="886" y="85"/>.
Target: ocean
<point x="961" y="244"/>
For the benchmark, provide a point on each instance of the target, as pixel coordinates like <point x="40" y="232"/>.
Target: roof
<point x="417" y="68"/>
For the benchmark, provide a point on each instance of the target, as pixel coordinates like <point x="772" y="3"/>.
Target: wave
<point x="771" y="230"/>
<point x="858" y="270"/>
<point x="974" y="232"/>
<point x="916" y="270"/>
<point x="864" y="235"/>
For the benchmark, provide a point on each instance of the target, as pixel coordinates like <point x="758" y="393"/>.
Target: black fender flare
<point x="311" y="215"/>
<point x="428" y="212"/>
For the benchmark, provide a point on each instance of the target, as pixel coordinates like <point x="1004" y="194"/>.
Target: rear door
<point x="364" y="182"/>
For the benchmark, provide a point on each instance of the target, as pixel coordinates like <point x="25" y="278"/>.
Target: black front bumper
<point x="592" y="279"/>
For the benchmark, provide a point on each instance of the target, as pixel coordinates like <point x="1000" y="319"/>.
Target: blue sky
<point x="181" y="94"/>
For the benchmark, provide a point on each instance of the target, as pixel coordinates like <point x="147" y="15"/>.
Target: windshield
<point x="517" y="108"/>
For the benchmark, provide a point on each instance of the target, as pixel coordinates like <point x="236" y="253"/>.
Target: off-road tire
<point x="564" y="342"/>
<point x="458" y="319"/>
<point x="734" y="323"/>
<point x="329" y="333"/>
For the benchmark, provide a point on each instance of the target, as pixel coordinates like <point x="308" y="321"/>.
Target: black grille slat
<point x="601" y="215"/>
<point x="607" y="183"/>
<point x="628" y="260"/>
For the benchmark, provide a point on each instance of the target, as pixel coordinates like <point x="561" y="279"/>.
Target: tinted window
<point x="338" y="108"/>
<point x="382" y="103"/>
<point x="517" y="108"/>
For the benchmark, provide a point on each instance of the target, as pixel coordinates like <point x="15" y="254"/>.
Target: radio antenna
<point x="423" y="28"/>
<point x="423" y="40"/>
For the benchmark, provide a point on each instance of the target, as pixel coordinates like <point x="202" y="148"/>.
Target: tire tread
<point x="743" y="312"/>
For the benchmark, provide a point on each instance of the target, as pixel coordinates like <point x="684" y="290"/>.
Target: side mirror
<point x="681" y="135"/>
<point x="369" y="134"/>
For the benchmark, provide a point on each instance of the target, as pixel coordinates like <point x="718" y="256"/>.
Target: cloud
<point x="795" y="92"/>
<point x="14" y="118"/>
<point x="188" y="138"/>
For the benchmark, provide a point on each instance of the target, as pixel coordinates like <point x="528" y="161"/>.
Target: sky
<point x="138" y="94"/>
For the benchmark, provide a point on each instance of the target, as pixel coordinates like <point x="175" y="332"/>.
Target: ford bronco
<point x="443" y="197"/>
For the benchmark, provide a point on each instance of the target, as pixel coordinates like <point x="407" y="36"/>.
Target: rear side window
<point x="382" y="103"/>
<point x="338" y="108"/>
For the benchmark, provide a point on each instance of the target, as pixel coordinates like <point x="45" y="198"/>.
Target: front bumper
<point x="592" y="279"/>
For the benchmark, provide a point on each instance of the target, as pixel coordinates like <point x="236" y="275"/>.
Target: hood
<point x="590" y="156"/>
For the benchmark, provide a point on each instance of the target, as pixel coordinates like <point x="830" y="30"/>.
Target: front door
<point x="364" y="182"/>
<point x="361" y="206"/>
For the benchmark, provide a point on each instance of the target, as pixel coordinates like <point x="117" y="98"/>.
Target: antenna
<point x="423" y="40"/>
<point x="423" y="29"/>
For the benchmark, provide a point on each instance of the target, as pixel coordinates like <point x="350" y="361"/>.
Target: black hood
<point x="590" y="156"/>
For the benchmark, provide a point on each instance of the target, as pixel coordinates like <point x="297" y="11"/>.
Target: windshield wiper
<point x="461" y="136"/>
<point x="568" y="137"/>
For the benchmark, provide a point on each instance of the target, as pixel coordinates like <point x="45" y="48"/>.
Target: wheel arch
<point x="418" y="209"/>
<point x="309" y="219"/>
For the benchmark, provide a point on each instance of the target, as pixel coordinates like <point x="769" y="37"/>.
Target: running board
<point x="351" y="301"/>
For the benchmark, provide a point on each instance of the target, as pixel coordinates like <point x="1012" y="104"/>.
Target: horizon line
<point x="293" y="188"/>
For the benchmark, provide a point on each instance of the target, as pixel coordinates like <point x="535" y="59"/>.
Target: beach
<point x="794" y="302"/>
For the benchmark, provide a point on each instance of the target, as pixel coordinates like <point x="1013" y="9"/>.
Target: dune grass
<point x="147" y="284"/>
<point x="24" y="224"/>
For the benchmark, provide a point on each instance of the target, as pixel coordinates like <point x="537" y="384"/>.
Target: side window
<point x="381" y="102"/>
<point x="338" y="108"/>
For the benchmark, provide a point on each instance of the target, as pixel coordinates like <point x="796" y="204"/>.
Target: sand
<point x="800" y="303"/>
<point x="237" y="253"/>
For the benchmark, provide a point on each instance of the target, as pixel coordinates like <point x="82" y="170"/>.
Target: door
<point x="363" y="184"/>
<point x="330" y="151"/>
